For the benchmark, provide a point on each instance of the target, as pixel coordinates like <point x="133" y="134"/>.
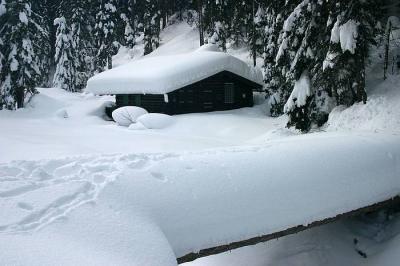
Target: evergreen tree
<point x="304" y="28"/>
<point x="65" y="74"/>
<point x="41" y="39"/>
<point x="243" y="13"/>
<point x="151" y="24"/>
<point x="273" y="23"/>
<point x="3" y="20"/>
<point x="106" y="18"/>
<point x="286" y="47"/>
<point x="219" y="30"/>
<point x="130" y="24"/>
<point x="82" y="41"/>
<point x="256" y="32"/>
<point x="21" y="69"/>
<point x="352" y="33"/>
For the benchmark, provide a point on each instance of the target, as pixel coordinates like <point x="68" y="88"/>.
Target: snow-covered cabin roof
<point x="163" y="74"/>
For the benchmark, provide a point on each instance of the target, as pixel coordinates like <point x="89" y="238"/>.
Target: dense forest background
<point x="314" y="52"/>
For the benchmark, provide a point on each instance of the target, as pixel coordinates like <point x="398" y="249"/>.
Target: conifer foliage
<point x="21" y="65"/>
<point x="65" y="74"/>
<point x="313" y="52"/>
<point x="106" y="21"/>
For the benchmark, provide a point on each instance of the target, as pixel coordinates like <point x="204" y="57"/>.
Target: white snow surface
<point x="163" y="74"/>
<point x="161" y="205"/>
<point x="155" y="120"/>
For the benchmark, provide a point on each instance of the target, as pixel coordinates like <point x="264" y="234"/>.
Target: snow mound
<point x="208" y="48"/>
<point x="155" y="120"/>
<point x="137" y="126"/>
<point x="381" y="113"/>
<point x="124" y="116"/>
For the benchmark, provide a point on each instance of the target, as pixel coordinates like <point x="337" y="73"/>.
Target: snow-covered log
<point x="153" y="208"/>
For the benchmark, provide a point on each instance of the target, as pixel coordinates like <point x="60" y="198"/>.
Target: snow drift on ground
<point x="187" y="201"/>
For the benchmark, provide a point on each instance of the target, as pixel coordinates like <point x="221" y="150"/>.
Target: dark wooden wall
<point x="223" y="91"/>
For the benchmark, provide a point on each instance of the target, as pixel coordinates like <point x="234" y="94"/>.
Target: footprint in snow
<point x="18" y="191"/>
<point x="98" y="179"/>
<point x="159" y="176"/>
<point x="25" y="206"/>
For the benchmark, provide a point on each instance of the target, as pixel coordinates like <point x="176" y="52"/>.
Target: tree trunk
<point x="253" y="43"/>
<point x="109" y="60"/>
<point x="386" y="62"/>
<point x="19" y="95"/>
<point x="201" y="28"/>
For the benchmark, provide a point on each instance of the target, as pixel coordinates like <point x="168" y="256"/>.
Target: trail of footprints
<point x="20" y="180"/>
<point x="75" y="181"/>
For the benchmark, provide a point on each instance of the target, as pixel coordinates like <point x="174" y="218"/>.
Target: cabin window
<point x="229" y="92"/>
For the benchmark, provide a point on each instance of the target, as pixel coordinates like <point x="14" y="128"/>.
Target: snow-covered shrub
<point x="155" y="120"/>
<point x="124" y="116"/>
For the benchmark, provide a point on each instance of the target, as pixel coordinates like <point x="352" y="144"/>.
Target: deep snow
<point x="164" y="74"/>
<point x="83" y="190"/>
<point x="187" y="201"/>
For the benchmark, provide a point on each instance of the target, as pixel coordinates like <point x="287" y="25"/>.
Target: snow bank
<point x="381" y="113"/>
<point x="163" y="74"/>
<point x="209" y="47"/>
<point x="151" y="206"/>
<point x="155" y="120"/>
<point x="124" y="116"/>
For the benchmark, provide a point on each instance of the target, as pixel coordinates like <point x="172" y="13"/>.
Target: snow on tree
<point x="82" y="41"/>
<point x="220" y="28"/>
<point x="151" y="24"/>
<point x="273" y="24"/>
<point x="298" y="104"/>
<point x="292" y="45"/>
<point x="256" y="32"/>
<point x="106" y="18"/>
<point x="129" y="32"/>
<point x="21" y="69"/>
<point x="65" y="74"/>
<point x="352" y="33"/>
<point x="41" y="34"/>
<point x="3" y="9"/>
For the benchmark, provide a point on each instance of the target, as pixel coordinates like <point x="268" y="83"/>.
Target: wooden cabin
<point x="201" y="81"/>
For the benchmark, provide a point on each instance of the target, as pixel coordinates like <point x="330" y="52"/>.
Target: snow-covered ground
<point x="78" y="190"/>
